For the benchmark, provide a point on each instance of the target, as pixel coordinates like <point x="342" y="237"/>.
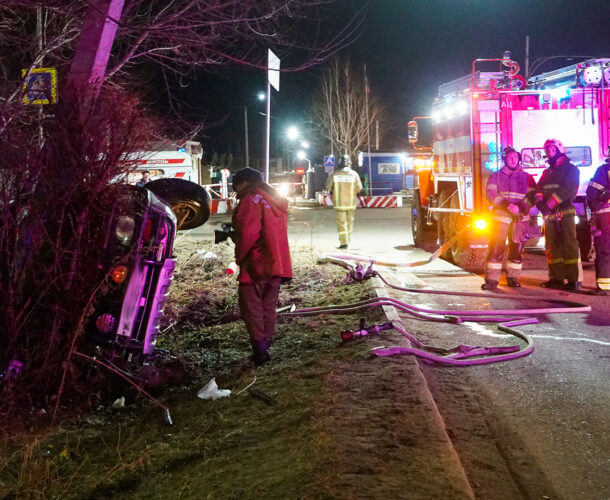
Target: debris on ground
<point x="211" y="391"/>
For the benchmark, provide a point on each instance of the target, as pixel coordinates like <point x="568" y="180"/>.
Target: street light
<point x="292" y="132"/>
<point x="302" y="155"/>
<point x="304" y="144"/>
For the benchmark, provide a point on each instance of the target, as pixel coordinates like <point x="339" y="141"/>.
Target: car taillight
<point x="160" y="250"/>
<point x="105" y="323"/>
<point x="119" y="274"/>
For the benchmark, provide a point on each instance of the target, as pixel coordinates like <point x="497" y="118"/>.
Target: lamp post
<point x="301" y="155"/>
<point x="261" y="96"/>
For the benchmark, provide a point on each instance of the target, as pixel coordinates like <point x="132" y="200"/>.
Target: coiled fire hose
<point x="462" y="355"/>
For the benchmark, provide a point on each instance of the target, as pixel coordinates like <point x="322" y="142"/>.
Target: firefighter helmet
<point x="557" y="143"/>
<point x="510" y="149"/>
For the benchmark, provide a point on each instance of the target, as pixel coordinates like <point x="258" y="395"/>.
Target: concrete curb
<point x="424" y="391"/>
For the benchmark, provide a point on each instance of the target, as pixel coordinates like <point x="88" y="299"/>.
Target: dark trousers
<point x="258" y="302"/>
<point x="602" y="252"/>
<point x="562" y="250"/>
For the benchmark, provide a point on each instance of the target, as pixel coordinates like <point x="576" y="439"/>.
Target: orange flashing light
<point x="119" y="274"/>
<point x="480" y="224"/>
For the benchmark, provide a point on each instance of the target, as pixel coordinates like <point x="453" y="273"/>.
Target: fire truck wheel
<point x="189" y="201"/>
<point x="424" y="235"/>
<point x="443" y="224"/>
<point x="585" y="241"/>
<point x="462" y="253"/>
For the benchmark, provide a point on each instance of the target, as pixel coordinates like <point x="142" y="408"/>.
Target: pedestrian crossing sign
<point x="329" y="163"/>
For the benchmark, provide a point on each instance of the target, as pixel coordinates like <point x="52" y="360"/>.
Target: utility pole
<point x="246" y="135"/>
<point x="95" y="43"/>
<point x="527" y="56"/>
<point x="368" y="128"/>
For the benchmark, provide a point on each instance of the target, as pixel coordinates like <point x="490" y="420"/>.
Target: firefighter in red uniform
<point x="598" y="196"/>
<point x="507" y="191"/>
<point x="262" y="252"/>
<point x="556" y="188"/>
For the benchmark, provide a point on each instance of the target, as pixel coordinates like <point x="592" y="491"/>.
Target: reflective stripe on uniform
<point x="596" y="185"/>
<point x="494" y="265"/>
<point x="571" y="261"/>
<point x="511" y="194"/>
<point x="555" y="261"/>
<point x="603" y="283"/>
<point x="502" y="218"/>
<point x="344" y="178"/>
<point x="514" y="265"/>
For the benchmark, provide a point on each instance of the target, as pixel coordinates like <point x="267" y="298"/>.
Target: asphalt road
<point x="536" y="427"/>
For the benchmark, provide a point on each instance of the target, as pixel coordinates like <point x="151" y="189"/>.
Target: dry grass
<point x="228" y="448"/>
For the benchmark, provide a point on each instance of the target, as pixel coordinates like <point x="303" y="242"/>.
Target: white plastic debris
<point x="211" y="391"/>
<point x="119" y="403"/>
<point x="206" y="254"/>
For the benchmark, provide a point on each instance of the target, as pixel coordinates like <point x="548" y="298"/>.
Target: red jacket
<point x="261" y="226"/>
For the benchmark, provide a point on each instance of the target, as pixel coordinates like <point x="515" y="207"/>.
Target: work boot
<point x="513" y="283"/>
<point x="260" y="357"/>
<point x="572" y="286"/>
<point x="552" y="283"/>
<point x="489" y="285"/>
<point x="598" y="291"/>
<point x="342" y="247"/>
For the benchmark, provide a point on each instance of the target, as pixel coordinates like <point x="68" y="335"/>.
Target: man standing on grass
<point x="345" y="185"/>
<point x="260" y="223"/>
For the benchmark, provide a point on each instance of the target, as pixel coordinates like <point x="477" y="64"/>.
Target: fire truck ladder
<point x="486" y="132"/>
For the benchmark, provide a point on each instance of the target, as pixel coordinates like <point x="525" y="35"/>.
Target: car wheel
<point x="189" y="201"/>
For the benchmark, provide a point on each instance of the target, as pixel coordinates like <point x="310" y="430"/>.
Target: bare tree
<point x="177" y="35"/>
<point x="340" y="107"/>
<point x="58" y="164"/>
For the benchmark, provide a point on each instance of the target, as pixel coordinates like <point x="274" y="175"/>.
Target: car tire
<point x="189" y="201"/>
<point x="468" y="252"/>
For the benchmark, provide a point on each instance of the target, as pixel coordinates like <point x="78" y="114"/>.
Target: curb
<point x="392" y="315"/>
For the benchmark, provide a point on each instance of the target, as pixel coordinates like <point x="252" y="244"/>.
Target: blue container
<point x="387" y="172"/>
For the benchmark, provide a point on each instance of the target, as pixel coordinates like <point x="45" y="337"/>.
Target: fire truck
<point x="475" y="117"/>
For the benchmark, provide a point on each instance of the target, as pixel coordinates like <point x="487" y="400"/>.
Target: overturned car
<point x="137" y="257"/>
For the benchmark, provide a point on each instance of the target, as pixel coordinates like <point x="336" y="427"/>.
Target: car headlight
<point x="284" y="189"/>
<point x="125" y="228"/>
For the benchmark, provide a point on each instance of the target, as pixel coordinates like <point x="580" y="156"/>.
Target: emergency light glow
<point x="560" y="93"/>
<point x="436" y="115"/>
<point x="480" y="224"/>
<point x="105" y="323"/>
<point x="462" y="107"/>
<point x="119" y="274"/>
<point x="592" y="75"/>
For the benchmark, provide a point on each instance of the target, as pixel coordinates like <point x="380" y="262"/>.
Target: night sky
<point x="410" y="47"/>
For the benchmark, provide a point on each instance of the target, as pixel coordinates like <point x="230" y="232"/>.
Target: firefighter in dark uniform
<point x="508" y="191"/>
<point x="598" y="196"/>
<point x="555" y="190"/>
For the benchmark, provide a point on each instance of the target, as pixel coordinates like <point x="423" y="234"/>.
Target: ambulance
<point x="166" y="160"/>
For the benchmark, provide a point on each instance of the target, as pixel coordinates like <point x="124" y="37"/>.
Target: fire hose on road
<point x="462" y="355"/>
